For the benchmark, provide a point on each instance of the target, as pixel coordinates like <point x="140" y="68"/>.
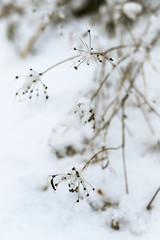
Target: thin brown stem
<point x="146" y="101"/>
<point x="152" y="199"/>
<point x="96" y="154"/>
<point x="124" y="143"/>
<point x="35" y="36"/>
<point x="107" y="76"/>
<point x="59" y="63"/>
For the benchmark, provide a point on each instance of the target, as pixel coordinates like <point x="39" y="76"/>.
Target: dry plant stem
<point x="123" y="126"/>
<point x="34" y="38"/>
<point x="107" y="76"/>
<point x="116" y="102"/>
<point x="151" y="201"/>
<point x="143" y="75"/>
<point x="101" y="85"/>
<point x="96" y="154"/>
<point x="144" y="115"/>
<point x="146" y="101"/>
<point x="123" y="79"/>
<point x="117" y="48"/>
<point x="59" y="63"/>
<point x="146" y="29"/>
<point x="123" y="142"/>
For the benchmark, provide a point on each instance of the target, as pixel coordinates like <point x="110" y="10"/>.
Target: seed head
<point x="32" y="82"/>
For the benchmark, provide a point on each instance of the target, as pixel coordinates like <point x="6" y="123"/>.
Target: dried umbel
<point x="87" y="54"/>
<point x="32" y="81"/>
<point x="76" y="182"/>
<point x="32" y="84"/>
<point x="75" y="179"/>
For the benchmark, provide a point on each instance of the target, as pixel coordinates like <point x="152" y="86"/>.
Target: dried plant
<point x="120" y="85"/>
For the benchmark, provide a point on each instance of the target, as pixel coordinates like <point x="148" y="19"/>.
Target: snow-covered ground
<point x="29" y="208"/>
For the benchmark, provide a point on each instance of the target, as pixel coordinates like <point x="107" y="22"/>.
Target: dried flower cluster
<point x="87" y="54"/>
<point x="76" y="182"/>
<point x="32" y="84"/>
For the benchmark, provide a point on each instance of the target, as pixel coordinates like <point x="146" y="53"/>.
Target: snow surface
<point x="29" y="209"/>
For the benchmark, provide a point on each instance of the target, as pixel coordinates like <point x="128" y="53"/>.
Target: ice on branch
<point x="76" y="182"/>
<point x="32" y="85"/>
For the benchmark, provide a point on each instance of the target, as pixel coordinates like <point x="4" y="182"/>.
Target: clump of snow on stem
<point x="131" y="216"/>
<point x="132" y="10"/>
<point x="72" y="136"/>
<point x="84" y="112"/>
<point x="68" y="141"/>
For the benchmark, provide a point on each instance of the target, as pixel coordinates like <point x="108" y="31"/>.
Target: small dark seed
<point x="71" y="190"/>
<point x="17" y="77"/>
<point x="53" y="176"/>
